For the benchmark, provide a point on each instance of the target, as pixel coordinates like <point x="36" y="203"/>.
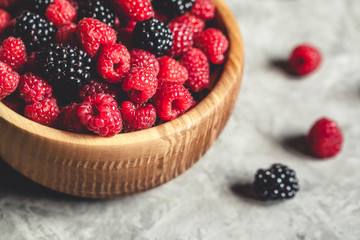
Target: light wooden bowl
<point x="97" y="167"/>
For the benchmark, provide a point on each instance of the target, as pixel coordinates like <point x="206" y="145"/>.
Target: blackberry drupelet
<point x="67" y="69"/>
<point x="153" y="36"/>
<point x="98" y="9"/>
<point x="39" y="6"/>
<point x="278" y="182"/>
<point x="173" y="7"/>
<point x="34" y="30"/>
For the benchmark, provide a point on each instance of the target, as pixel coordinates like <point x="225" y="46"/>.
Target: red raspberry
<point x="33" y="88"/>
<point x="191" y="21"/>
<point x="204" y="9"/>
<point x="129" y="23"/>
<point x="92" y="33"/>
<point x="9" y="80"/>
<point x="45" y="112"/>
<point x="142" y="58"/>
<point x="325" y="138"/>
<point x="171" y="71"/>
<point x="95" y="88"/>
<point x="304" y="59"/>
<point x="138" y="10"/>
<point x="14" y="102"/>
<point x="60" y="12"/>
<point x="172" y="101"/>
<point x="100" y="115"/>
<point x="198" y="68"/>
<point x="113" y="63"/>
<point x="69" y="119"/>
<point x="5" y="19"/>
<point x="140" y="84"/>
<point x="138" y="116"/>
<point x="125" y="36"/>
<point x="13" y="52"/>
<point x="183" y="39"/>
<point x="213" y="43"/>
<point x="67" y="34"/>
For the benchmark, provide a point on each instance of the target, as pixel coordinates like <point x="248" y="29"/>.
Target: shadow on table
<point x="282" y="65"/>
<point x="298" y="145"/>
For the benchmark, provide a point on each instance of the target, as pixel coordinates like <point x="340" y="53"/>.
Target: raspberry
<point x="95" y="88"/>
<point x="213" y="43"/>
<point x="45" y="112"/>
<point x="325" y="138"/>
<point x="60" y="12"/>
<point x="172" y="101"/>
<point x="173" y="7"/>
<point x="183" y="39"/>
<point x="141" y="84"/>
<point x="278" y="182"/>
<point x="9" y="80"/>
<point x="142" y="58"/>
<point x="33" y="88"/>
<point x="5" y="19"/>
<point x="139" y="10"/>
<point x="67" y="34"/>
<point x="92" y="33"/>
<point x="304" y="59"/>
<point x="15" y="103"/>
<point x="191" y="21"/>
<point x="138" y="116"/>
<point x="98" y="9"/>
<point x="69" y="119"/>
<point x="204" y="9"/>
<point x="13" y="53"/>
<point x="113" y="63"/>
<point x="100" y="115"/>
<point x="198" y="68"/>
<point x="171" y="71"/>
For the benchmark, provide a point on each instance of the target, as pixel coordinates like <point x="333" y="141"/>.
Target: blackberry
<point x="67" y="69"/>
<point x="278" y="182"/>
<point x="40" y="6"/>
<point x="153" y="36"/>
<point x="173" y="7"/>
<point x="98" y="9"/>
<point x="35" y="31"/>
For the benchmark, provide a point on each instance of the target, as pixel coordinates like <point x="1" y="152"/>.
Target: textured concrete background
<point x="274" y="109"/>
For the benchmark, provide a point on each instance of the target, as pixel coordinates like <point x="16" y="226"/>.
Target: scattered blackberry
<point x="40" y="6"/>
<point x="35" y="31"/>
<point x="173" y="7"/>
<point x="278" y="182"/>
<point x="67" y="69"/>
<point x="98" y="9"/>
<point x="154" y="36"/>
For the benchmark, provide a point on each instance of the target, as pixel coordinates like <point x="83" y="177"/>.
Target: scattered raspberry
<point x="139" y="10"/>
<point x="100" y="115"/>
<point x="45" y="112"/>
<point x="172" y="101"/>
<point x="69" y="119"/>
<point x="33" y="88"/>
<point x="204" y="9"/>
<point x="129" y="23"/>
<point x="125" y="37"/>
<point x="60" y="12"/>
<point x="171" y="71"/>
<point x="9" y="80"/>
<point x="213" y="43"/>
<point x="67" y="34"/>
<point x="113" y="63"/>
<point x="15" y="103"/>
<point x="142" y="58"/>
<point x="198" y="68"/>
<point x="191" y="21"/>
<point x="141" y="84"/>
<point x="325" y="138"/>
<point x="13" y="53"/>
<point x="92" y="33"/>
<point x="95" y="88"/>
<point x="138" y="116"/>
<point x="183" y="39"/>
<point x="304" y="59"/>
<point x="5" y="19"/>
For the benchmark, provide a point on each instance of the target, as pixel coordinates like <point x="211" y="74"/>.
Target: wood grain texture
<point x="96" y="167"/>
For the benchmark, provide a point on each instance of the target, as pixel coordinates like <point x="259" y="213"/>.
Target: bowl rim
<point x="234" y="60"/>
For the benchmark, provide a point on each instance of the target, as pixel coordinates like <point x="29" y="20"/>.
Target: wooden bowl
<point x="97" y="167"/>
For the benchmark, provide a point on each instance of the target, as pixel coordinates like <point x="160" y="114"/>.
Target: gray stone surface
<point x="273" y="109"/>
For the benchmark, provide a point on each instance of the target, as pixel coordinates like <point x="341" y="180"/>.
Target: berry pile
<point x="108" y="66"/>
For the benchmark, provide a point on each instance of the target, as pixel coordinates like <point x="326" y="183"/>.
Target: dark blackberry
<point x="153" y="36"/>
<point x="98" y="9"/>
<point x="173" y="7"/>
<point x="39" y="6"/>
<point x="67" y="69"/>
<point x="278" y="182"/>
<point x="35" y="31"/>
